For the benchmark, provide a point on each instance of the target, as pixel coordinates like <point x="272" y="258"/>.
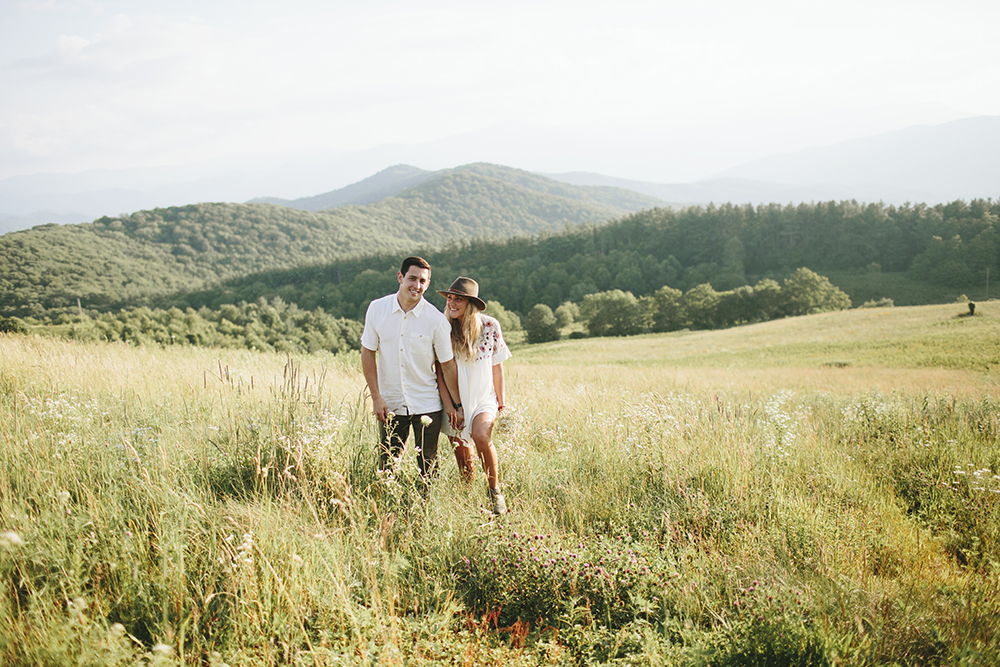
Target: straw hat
<point x="466" y="287"/>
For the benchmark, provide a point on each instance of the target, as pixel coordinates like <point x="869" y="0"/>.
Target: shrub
<point x="13" y="325"/>
<point x="612" y="313"/>
<point x="884" y="302"/>
<point x="540" y="325"/>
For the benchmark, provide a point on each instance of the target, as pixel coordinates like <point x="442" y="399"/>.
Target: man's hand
<point x="458" y="419"/>
<point x="380" y="409"/>
<point x="451" y="412"/>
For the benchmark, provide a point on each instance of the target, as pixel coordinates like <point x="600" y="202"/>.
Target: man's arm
<point x="446" y="399"/>
<point x="370" y="368"/>
<point x="449" y="369"/>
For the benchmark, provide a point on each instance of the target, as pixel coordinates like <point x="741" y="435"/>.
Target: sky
<point x="117" y="84"/>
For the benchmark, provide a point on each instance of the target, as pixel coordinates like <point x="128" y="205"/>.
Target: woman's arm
<point x="498" y="385"/>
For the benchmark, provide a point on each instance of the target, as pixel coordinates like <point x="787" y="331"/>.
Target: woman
<point x="480" y="352"/>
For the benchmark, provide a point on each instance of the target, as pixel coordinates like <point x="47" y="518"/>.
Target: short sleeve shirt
<point x="407" y="346"/>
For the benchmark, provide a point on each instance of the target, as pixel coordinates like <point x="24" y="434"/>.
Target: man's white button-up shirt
<point x="407" y="345"/>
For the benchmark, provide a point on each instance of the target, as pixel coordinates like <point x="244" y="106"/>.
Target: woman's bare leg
<point x="482" y="435"/>
<point x="463" y="457"/>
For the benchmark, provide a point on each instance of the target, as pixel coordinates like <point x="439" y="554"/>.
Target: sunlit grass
<point x="716" y="498"/>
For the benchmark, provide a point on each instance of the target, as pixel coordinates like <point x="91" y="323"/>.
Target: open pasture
<point x="812" y="491"/>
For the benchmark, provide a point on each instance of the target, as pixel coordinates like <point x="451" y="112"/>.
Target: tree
<point x="667" y="310"/>
<point x="767" y="300"/>
<point x="13" y="325"/>
<point x="540" y="325"/>
<point x="806" y="292"/>
<point x="612" y="313"/>
<point x="567" y="313"/>
<point x="508" y="321"/>
<point x="943" y="262"/>
<point x="701" y="305"/>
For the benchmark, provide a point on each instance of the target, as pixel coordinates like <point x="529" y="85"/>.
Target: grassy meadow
<point x="821" y="490"/>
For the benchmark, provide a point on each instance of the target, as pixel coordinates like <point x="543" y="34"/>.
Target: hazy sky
<point x="117" y="83"/>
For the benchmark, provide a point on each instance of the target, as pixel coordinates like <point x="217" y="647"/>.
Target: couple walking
<point x="433" y="373"/>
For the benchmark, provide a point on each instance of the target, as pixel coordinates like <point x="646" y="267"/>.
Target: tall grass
<point x="168" y="506"/>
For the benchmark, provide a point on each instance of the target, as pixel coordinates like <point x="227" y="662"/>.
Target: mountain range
<point x="148" y="255"/>
<point x="928" y="164"/>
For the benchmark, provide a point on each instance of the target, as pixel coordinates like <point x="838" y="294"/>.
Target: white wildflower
<point x="10" y="540"/>
<point x="426" y="421"/>
<point x="163" y="649"/>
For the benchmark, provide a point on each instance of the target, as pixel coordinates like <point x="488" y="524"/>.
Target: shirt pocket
<point x="420" y="349"/>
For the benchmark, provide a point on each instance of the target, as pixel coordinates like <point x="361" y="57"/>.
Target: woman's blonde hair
<point x="465" y="332"/>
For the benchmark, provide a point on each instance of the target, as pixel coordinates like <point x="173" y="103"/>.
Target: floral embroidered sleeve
<point x="495" y="344"/>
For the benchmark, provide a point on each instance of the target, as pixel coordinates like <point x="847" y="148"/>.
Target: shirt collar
<point x="416" y="309"/>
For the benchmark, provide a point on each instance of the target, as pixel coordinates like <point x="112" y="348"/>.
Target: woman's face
<point x="456" y="307"/>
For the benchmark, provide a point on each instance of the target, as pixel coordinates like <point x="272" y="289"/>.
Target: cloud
<point x="117" y="79"/>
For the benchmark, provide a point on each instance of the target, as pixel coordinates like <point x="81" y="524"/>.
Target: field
<point x="814" y="491"/>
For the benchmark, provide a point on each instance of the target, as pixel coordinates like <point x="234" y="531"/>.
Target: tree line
<point x="726" y="262"/>
<point x="619" y="313"/>
<point x="263" y="325"/>
<point x="727" y="246"/>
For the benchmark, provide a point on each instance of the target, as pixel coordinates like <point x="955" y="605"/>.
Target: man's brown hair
<point x="419" y="262"/>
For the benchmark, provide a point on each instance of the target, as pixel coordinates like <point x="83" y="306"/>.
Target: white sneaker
<point x="499" y="504"/>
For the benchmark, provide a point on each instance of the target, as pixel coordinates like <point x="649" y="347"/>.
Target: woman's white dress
<point x="475" y="378"/>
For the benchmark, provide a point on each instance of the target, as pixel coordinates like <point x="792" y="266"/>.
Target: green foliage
<point x="210" y="254"/>
<point x="881" y="303"/>
<point x="617" y="313"/>
<point x="147" y="256"/>
<point x="646" y="251"/>
<point x="667" y="310"/>
<point x="273" y="326"/>
<point x="540" y="325"/>
<point x="508" y="321"/>
<point x="701" y="306"/>
<point x="13" y="325"/>
<point x="159" y="509"/>
<point x="559" y="581"/>
<point x="806" y="292"/>
<point x="612" y="313"/>
<point x="567" y="313"/>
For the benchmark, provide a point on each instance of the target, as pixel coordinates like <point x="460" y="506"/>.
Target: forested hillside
<point x="728" y="247"/>
<point x="656" y="270"/>
<point x="137" y="259"/>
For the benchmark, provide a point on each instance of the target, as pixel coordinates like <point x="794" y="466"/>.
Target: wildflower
<point x="426" y="421"/>
<point x="163" y="649"/>
<point x="63" y="496"/>
<point x="297" y="560"/>
<point x="10" y="539"/>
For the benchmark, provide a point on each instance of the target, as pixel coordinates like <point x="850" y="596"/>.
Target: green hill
<point x="392" y="182"/>
<point x="145" y="256"/>
<point x="871" y="252"/>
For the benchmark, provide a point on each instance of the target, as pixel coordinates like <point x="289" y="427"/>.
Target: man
<point x="404" y="335"/>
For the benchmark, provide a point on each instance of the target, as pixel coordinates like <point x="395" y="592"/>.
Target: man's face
<point x="413" y="284"/>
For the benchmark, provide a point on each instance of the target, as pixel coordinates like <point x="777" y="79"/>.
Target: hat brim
<point x="475" y="299"/>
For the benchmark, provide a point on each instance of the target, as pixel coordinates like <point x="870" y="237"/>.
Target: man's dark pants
<point x="392" y="440"/>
